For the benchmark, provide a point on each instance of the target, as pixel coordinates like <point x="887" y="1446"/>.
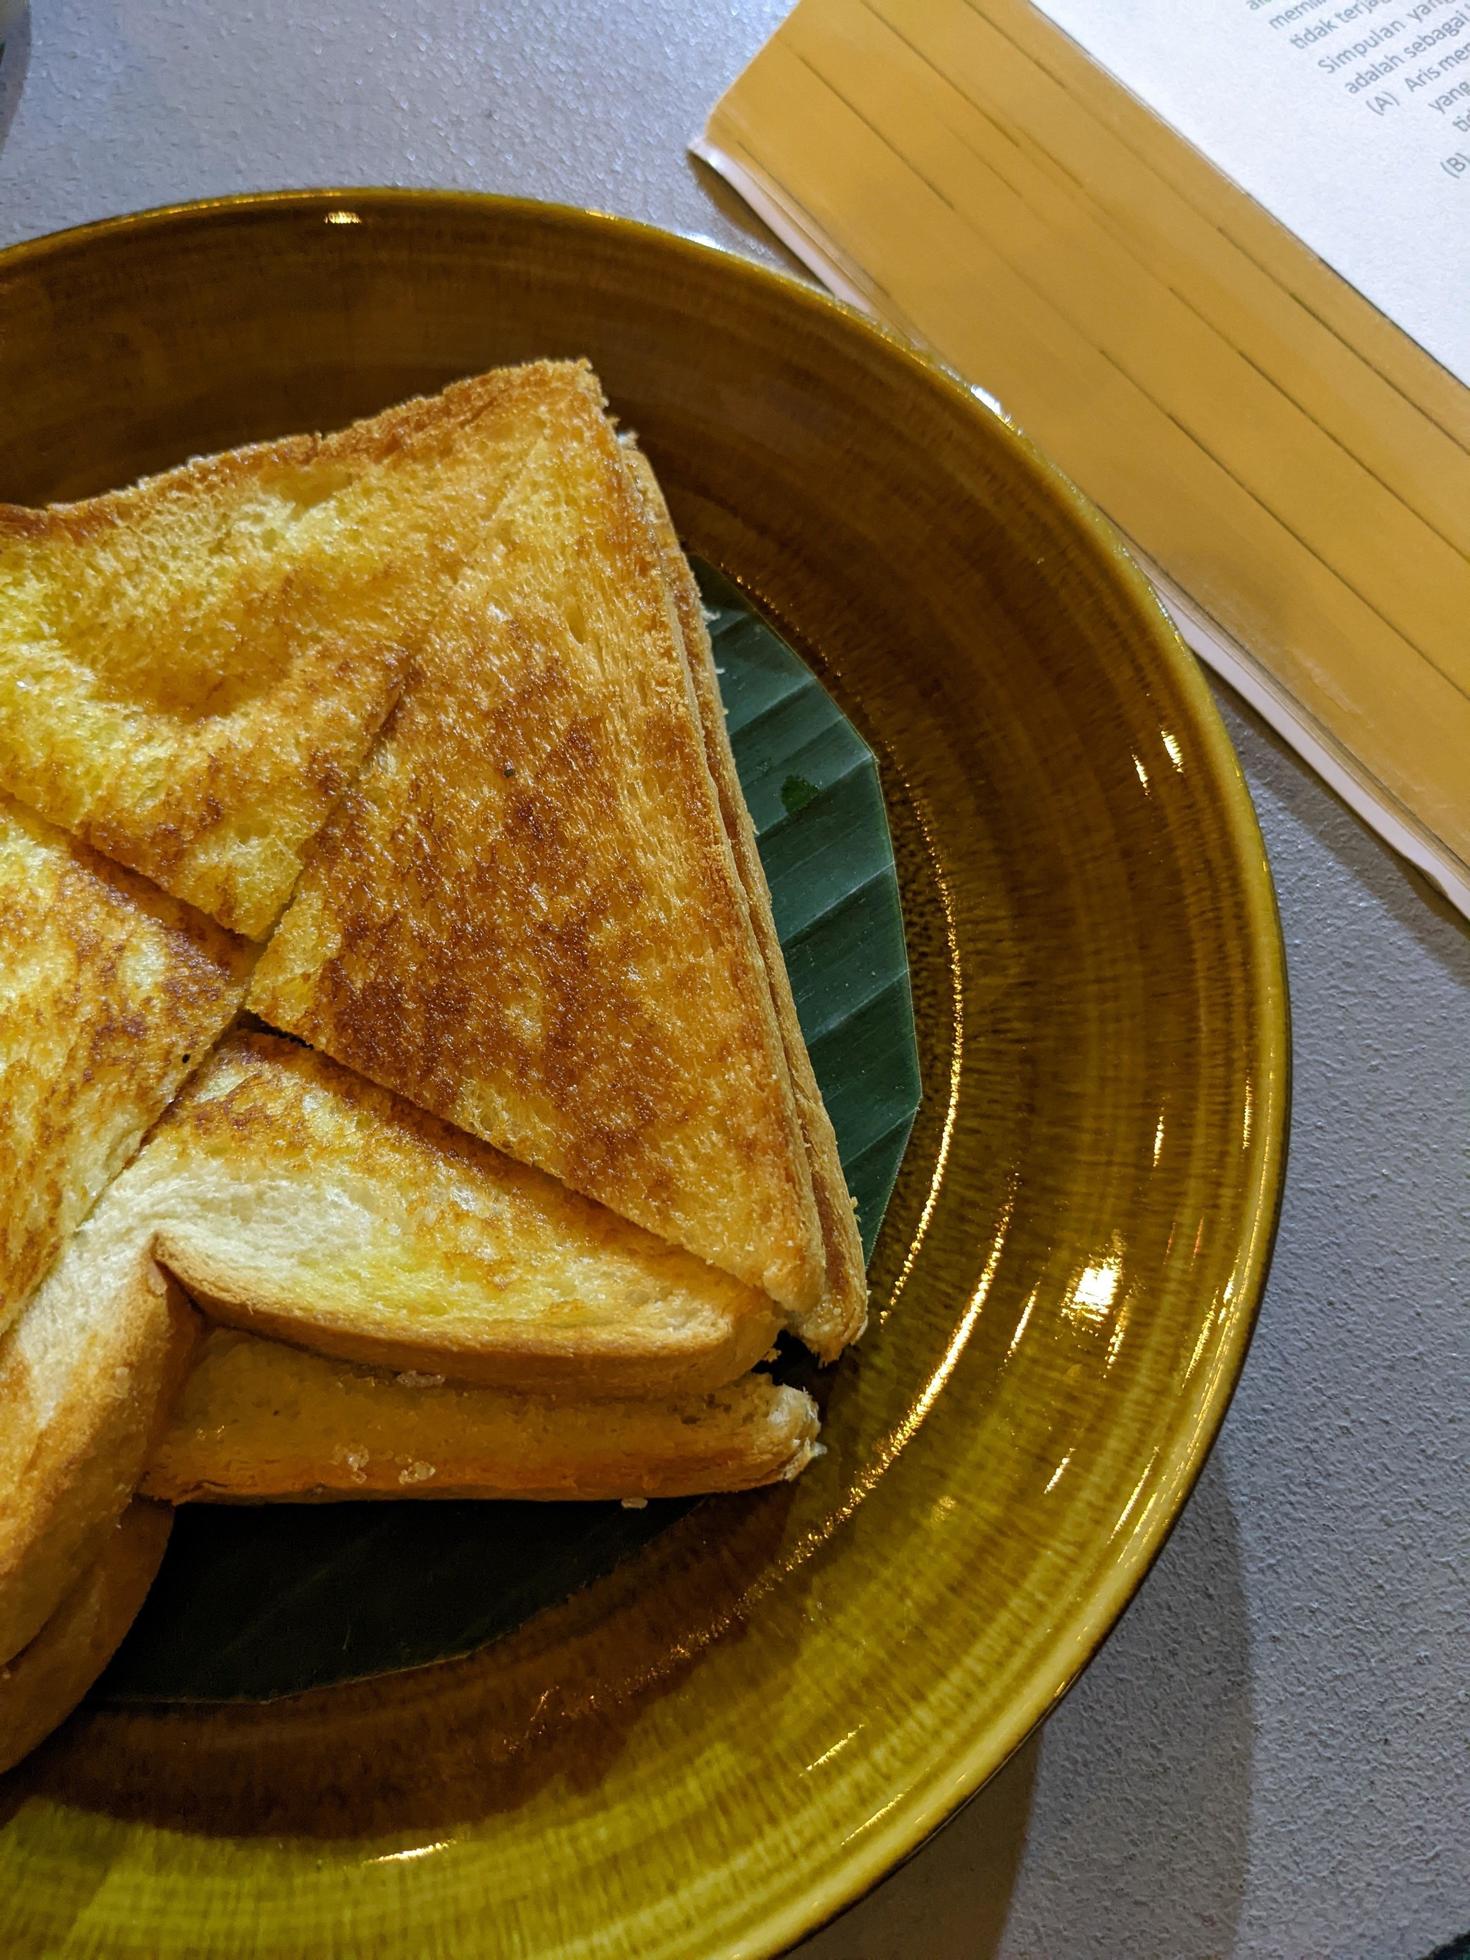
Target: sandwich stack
<point x="401" y="1092"/>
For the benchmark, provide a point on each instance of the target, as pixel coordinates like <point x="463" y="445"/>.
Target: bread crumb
<point x="635" y="1503"/>
<point x="417" y="1473"/>
<point x="411" y="1378"/>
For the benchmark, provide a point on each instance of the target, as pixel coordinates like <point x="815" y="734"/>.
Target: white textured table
<point x="1272" y="1755"/>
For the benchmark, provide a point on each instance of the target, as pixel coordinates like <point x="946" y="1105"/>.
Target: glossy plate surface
<point x="738" y="1731"/>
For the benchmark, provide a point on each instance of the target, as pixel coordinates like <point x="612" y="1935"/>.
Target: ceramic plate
<point x="743" y="1727"/>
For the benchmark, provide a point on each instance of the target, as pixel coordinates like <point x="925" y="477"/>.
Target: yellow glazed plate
<point x="742" y="1728"/>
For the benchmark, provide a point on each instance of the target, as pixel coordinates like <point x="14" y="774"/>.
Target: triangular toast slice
<point x="41" y="1686"/>
<point x="291" y="1196"/>
<point x="109" y="992"/>
<point x="526" y="914"/>
<point x="294" y="1198"/>
<point x="191" y="670"/>
<point x="841" y="1313"/>
<point x="260" y="1420"/>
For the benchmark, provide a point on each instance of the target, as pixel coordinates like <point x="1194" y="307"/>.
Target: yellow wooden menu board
<point x="1291" y="467"/>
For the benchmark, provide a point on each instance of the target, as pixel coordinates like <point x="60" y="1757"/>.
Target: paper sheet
<point x="1349" y="119"/>
<point x="1291" y="467"/>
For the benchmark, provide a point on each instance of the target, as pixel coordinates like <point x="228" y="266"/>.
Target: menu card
<point x="1216" y="260"/>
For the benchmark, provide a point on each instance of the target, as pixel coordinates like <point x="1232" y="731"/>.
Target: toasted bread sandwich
<point x="192" y="670"/>
<point x="87" y="1375"/>
<point x="43" y="1683"/>
<point x="260" y="1420"/>
<point x="554" y="1169"/>
<point x="109" y="991"/>
<point x="526" y="914"/>
<point x="293" y="1197"/>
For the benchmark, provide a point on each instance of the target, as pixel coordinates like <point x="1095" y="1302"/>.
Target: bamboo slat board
<point x="1293" y="469"/>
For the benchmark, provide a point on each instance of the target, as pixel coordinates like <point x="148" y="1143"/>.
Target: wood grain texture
<point x="1256" y="427"/>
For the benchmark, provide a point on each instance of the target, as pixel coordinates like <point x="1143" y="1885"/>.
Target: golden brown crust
<point x="374" y="440"/>
<point x="258" y="1420"/>
<point x="41" y="1686"/>
<point x="86" y="1379"/>
<point x="295" y="1198"/>
<point x="841" y="1315"/>
<point x="192" y="669"/>
<point x="108" y="991"/>
<point x="526" y="915"/>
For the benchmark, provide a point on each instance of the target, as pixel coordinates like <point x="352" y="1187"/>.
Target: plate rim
<point x="923" y="1808"/>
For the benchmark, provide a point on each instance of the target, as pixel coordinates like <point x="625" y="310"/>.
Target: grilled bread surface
<point x="109" y="992"/>
<point x="526" y="915"/>
<point x="192" y="670"/>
